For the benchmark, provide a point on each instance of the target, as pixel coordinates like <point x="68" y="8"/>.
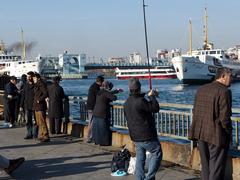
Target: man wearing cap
<point x="40" y="107"/>
<point x="142" y="129"/>
<point x="91" y="101"/>
<point x="10" y="99"/>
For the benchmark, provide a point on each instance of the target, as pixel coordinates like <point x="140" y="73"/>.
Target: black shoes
<point x="14" y="164"/>
<point x="42" y="140"/>
<point x="28" y="137"/>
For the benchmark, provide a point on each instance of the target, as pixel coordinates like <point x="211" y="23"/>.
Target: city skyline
<point x="114" y="28"/>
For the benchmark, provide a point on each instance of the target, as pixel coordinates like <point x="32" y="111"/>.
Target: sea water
<point x="170" y="90"/>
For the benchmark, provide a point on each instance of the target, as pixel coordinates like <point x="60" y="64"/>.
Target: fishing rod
<point x="146" y="42"/>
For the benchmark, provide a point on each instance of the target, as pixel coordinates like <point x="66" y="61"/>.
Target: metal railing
<point x="172" y="121"/>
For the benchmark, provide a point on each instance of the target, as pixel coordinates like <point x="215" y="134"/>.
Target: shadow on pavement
<point x="57" y="167"/>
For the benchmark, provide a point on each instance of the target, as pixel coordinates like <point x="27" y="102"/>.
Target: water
<point x="170" y="91"/>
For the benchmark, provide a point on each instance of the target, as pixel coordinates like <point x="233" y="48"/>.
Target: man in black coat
<point x="55" y="108"/>
<point x="10" y="100"/>
<point x="91" y="100"/>
<point x="27" y="103"/>
<point x="142" y="129"/>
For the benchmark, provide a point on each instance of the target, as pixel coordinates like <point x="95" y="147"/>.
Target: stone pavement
<point x="66" y="157"/>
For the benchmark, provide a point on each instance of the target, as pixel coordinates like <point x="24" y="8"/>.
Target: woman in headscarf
<point x="101" y="115"/>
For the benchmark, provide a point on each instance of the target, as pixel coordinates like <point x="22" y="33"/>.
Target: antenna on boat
<point x="205" y="46"/>
<point x="190" y="36"/>
<point x="146" y="42"/>
<point x="23" y="46"/>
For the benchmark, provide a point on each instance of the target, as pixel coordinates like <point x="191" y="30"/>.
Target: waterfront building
<point x="117" y="60"/>
<point x="72" y="65"/>
<point x="135" y="58"/>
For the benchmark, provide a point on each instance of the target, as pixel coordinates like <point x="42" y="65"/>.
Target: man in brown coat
<point x="40" y="107"/>
<point x="211" y="124"/>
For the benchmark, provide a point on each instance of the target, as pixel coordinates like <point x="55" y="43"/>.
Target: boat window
<point x="206" y="52"/>
<point x="212" y="52"/>
<point x="3" y="57"/>
<point x="203" y="53"/>
<point x="218" y="52"/>
<point x="19" y="62"/>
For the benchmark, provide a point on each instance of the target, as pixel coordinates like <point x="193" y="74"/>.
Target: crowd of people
<point x="31" y="97"/>
<point x="211" y="125"/>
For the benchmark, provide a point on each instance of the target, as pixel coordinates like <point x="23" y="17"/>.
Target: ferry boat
<point x="158" y="72"/>
<point x="14" y="65"/>
<point x="199" y="66"/>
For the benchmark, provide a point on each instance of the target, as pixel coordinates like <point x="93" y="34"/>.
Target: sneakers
<point x="14" y="164"/>
<point x="7" y="125"/>
<point x="119" y="173"/>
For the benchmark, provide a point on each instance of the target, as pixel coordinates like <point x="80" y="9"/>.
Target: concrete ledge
<point x="178" y="153"/>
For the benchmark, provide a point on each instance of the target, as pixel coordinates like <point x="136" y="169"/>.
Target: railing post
<point x="191" y="116"/>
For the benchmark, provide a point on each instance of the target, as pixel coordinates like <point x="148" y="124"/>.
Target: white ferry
<point x="14" y="65"/>
<point x="200" y="66"/>
<point x="158" y="72"/>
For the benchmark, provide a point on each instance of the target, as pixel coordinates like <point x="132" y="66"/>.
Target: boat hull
<point x="190" y="70"/>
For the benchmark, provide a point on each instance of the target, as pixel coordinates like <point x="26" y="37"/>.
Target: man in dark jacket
<point x="10" y="100"/>
<point x="27" y="102"/>
<point x="40" y="107"/>
<point x="55" y="108"/>
<point x="91" y="100"/>
<point x="141" y="124"/>
<point x="211" y="124"/>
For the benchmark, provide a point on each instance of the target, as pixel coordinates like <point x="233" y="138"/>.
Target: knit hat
<point x="134" y="84"/>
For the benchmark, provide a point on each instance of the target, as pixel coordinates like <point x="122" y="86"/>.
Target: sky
<point x="114" y="28"/>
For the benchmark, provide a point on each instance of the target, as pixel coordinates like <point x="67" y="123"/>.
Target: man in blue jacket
<point x="9" y="100"/>
<point x="141" y="124"/>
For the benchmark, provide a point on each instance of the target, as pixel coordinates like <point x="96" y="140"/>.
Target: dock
<point x="66" y="157"/>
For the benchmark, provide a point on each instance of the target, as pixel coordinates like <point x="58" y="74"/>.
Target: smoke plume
<point x="17" y="46"/>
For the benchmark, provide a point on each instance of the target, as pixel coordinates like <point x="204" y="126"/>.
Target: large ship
<point x="200" y="66"/>
<point x="158" y="72"/>
<point x="15" y="65"/>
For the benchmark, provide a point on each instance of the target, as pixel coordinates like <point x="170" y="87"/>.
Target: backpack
<point x="120" y="160"/>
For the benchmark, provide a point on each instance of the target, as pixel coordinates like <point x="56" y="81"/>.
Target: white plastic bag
<point x="132" y="165"/>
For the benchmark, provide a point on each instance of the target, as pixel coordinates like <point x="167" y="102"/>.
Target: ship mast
<point x="190" y="37"/>
<point x="205" y="45"/>
<point x="23" y="47"/>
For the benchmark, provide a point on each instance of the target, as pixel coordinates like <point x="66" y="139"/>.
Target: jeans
<point x="154" y="147"/>
<point x="31" y="125"/>
<point x="4" y="162"/>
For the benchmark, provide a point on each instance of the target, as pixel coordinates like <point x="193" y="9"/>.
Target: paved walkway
<point x="68" y="158"/>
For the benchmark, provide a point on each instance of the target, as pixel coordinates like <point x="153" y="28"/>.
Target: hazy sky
<point x="106" y="28"/>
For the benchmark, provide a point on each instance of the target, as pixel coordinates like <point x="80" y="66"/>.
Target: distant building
<point x="135" y="58"/>
<point x="234" y="52"/>
<point x="72" y="63"/>
<point x="116" y="60"/>
<point x="162" y="54"/>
